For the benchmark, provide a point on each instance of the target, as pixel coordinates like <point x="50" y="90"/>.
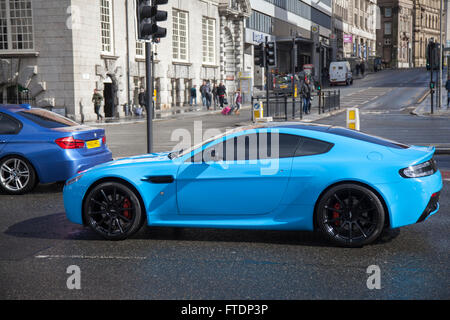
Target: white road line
<point x="87" y="257"/>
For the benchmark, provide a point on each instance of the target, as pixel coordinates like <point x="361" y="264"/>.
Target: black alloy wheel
<point x="113" y="211"/>
<point x="350" y="215"/>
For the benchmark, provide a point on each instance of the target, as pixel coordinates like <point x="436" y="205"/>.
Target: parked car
<point x="284" y="176"/>
<point x="340" y="73"/>
<point x="37" y="145"/>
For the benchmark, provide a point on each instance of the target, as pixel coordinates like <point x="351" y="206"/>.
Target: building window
<point x="388" y="28"/>
<point x="259" y="22"/>
<point x="16" y="25"/>
<point x="106" y="26"/>
<point x="208" y="31"/>
<point x="388" y="12"/>
<point x="180" y="35"/>
<point x="140" y="49"/>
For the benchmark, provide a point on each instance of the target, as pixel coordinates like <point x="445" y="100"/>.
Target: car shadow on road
<point x="49" y="188"/>
<point x="57" y="227"/>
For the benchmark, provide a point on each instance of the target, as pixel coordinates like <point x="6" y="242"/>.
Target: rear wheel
<point x="17" y="175"/>
<point x="113" y="211"/>
<point x="350" y="215"/>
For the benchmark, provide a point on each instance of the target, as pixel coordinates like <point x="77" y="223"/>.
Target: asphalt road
<point x="38" y="244"/>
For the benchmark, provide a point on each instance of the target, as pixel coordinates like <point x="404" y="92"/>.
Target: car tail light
<point x="104" y="140"/>
<point x="70" y="143"/>
<point x="420" y="170"/>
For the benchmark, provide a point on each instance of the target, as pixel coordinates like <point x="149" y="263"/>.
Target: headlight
<point x="73" y="180"/>
<point x="420" y="170"/>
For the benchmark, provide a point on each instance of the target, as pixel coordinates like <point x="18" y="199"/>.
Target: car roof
<point x="15" y="107"/>
<point x="339" y="131"/>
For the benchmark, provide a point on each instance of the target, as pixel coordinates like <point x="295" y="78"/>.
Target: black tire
<point x="350" y="215"/>
<point x="113" y="210"/>
<point x="17" y="175"/>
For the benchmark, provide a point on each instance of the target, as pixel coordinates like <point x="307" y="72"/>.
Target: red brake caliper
<point x="337" y="206"/>
<point x="126" y="205"/>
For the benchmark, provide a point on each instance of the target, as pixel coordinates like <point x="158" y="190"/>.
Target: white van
<point x="340" y="72"/>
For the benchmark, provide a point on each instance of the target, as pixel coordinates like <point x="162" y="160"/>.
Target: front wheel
<point x="350" y="215"/>
<point x="113" y="211"/>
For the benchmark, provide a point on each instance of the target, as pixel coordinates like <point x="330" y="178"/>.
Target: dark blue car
<point x="40" y="146"/>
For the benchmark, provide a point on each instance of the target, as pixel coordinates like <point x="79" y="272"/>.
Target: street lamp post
<point x="440" y="56"/>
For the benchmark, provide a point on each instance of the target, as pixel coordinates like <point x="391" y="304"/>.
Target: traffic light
<point x="271" y="51"/>
<point x="259" y="55"/>
<point x="147" y="17"/>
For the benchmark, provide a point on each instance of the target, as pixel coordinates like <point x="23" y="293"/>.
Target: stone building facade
<point x="355" y="25"/>
<point x="395" y="36"/>
<point x="425" y="27"/>
<point x="56" y="52"/>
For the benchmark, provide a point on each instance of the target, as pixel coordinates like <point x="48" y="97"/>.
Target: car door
<point x="8" y="128"/>
<point x="236" y="176"/>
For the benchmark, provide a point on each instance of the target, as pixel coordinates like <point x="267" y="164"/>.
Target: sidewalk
<point x="424" y="108"/>
<point x="187" y="112"/>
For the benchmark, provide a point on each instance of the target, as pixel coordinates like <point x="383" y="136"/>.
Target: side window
<point x="9" y="125"/>
<point x="253" y="146"/>
<point x="310" y="147"/>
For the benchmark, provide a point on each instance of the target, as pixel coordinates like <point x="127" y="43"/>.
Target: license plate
<point x="283" y="86"/>
<point x="93" y="144"/>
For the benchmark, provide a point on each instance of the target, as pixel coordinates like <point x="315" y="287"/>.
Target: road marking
<point x="87" y="257"/>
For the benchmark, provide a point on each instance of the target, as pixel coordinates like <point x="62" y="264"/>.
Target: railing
<point x="283" y="107"/>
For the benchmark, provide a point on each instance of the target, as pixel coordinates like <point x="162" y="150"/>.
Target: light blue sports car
<point x="283" y="176"/>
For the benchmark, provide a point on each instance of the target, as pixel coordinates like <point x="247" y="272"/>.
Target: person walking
<point x="215" y="96"/>
<point x="221" y="91"/>
<point x="237" y="101"/>
<point x="363" y="68"/>
<point x="447" y="86"/>
<point x="193" y="94"/>
<point x="306" y="95"/>
<point x="208" y="95"/>
<point x="202" y="92"/>
<point x="97" y="99"/>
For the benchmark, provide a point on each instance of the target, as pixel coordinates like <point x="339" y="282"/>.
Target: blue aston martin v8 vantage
<point x="285" y="176"/>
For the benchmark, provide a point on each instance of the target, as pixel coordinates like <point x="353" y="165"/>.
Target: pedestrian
<point x="208" y="95"/>
<point x="447" y="86"/>
<point x="202" y="92"/>
<point x="363" y="68"/>
<point x="306" y="95"/>
<point x="221" y="91"/>
<point x="215" y="96"/>
<point x="97" y="99"/>
<point x="193" y="95"/>
<point x="142" y="98"/>
<point x="237" y="101"/>
<point x="357" y="68"/>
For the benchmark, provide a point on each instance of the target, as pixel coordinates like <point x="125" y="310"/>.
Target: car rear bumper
<point x="412" y="200"/>
<point x="62" y="170"/>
